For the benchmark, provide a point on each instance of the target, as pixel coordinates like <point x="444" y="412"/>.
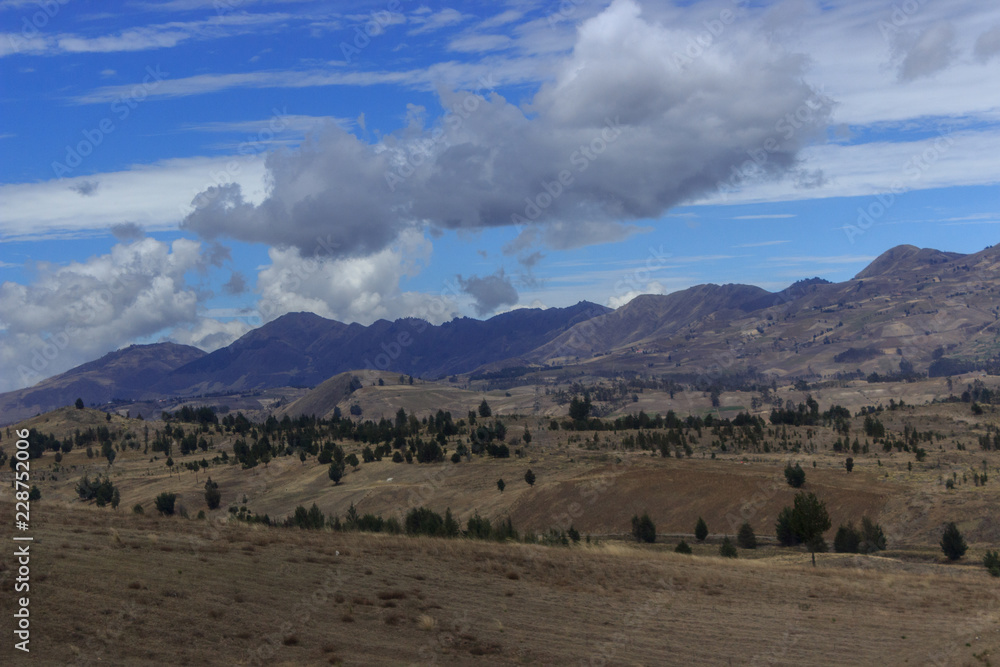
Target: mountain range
<point x="911" y="310"/>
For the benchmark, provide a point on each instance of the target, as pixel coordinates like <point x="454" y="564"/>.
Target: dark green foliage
<point x="484" y="409"/>
<point x="137" y="509"/>
<point x="213" y="497"/>
<point x="100" y="490"/>
<point x="116" y="499"/>
<point x="529" y="477"/>
<point x="783" y="529"/>
<point x="79" y="404"/>
<point x="727" y="549"/>
<point x="501" y="485"/>
<point x="796" y="476"/>
<point x="643" y="529"/>
<point x="847" y="540"/>
<point x="311" y="519"/>
<point x="579" y="410"/>
<point x="165" y="503"/>
<point x="478" y="528"/>
<point x="336" y="472"/>
<point x="352" y="460"/>
<point x="573" y="534"/>
<point x="952" y="543"/>
<point x="701" y="530"/>
<point x="808" y="520"/>
<point x="34" y="493"/>
<point x="991" y="561"/>
<point x="450" y="527"/>
<point x="849" y="464"/>
<point x="872" y="537"/>
<point x="683" y="547"/>
<point x="422" y="521"/>
<point x="746" y="537"/>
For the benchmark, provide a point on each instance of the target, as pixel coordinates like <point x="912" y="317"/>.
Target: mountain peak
<point x="904" y="258"/>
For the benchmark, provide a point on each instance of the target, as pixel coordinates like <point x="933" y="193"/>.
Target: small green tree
<point x="872" y="537"/>
<point x="783" y="528"/>
<point x="79" y="404"/>
<point x="165" y="503"/>
<point x="643" y="529"/>
<point x="529" y="477"/>
<point x="116" y="499"/>
<point x="352" y="460"/>
<point x="847" y="539"/>
<point x="137" y="509"/>
<point x="849" y="463"/>
<point x="683" y="547"/>
<point x="573" y="534"/>
<point x="336" y="472"/>
<point x="701" y="530"/>
<point x="796" y="476"/>
<point x="213" y="497"/>
<point x="746" y="537"/>
<point x="501" y="485"/>
<point x="952" y="543"/>
<point x="34" y="493"/>
<point x="808" y="521"/>
<point x="727" y="549"/>
<point x="484" y="409"/>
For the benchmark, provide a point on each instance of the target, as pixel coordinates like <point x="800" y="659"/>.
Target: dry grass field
<point x="113" y="587"/>
<point x="129" y="590"/>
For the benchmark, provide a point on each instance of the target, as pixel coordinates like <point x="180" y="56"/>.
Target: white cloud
<point x="75" y="313"/>
<point x="209" y="334"/>
<point x="353" y="290"/>
<point x="435" y="21"/>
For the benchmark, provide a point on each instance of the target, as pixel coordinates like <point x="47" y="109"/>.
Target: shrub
<point x="952" y="543"/>
<point x="683" y="547"/>
<point x="796" y="476"/>
<point x="643" y="529"/>
<point x="849" y="464"/>
<point x="165" y="503"/>
<point x="529" y="477"/>
<point x="501" y="485"/>
<point x="746" y="537"/>
<point x="79" y="404"/>
<point x="991" y="561"/>
<point x="34" y="493"/>
<point x="422" y="521"/>
<point x="727" y="549"/>
<point x="137" y="508"/>
<point x="701" y="530"/>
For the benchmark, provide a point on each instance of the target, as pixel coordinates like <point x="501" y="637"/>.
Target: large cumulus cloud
<point x="73" y="313"/>
<point x="624" y="130"/>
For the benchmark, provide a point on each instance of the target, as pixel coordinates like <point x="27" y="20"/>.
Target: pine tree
<point x="727" y="549"/>
<point x="643" y="529"/>
<point x="952" y="543"/>
<point x="529" y="477"/>
<point x="746" y="537"/>
<point x="701" y="530"/>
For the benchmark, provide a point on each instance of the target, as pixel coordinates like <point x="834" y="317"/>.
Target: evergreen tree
<point x="643" y="529"/>
<point x="727" y="549"/>
<point x="79" y="404"/>
<point x="683" y="547"/>
<point x="501" y="485"/>
<point x="336" y="472"/>
<point x="213" y="497"/>
<point x="529" y="477"/>
<point x="952" y="543"/>
<point x="165" y="503"/>
<point x="484" y="409"/>
<point x="701" y="530"/>
<point x="872" y="537"/>
<point x="746" y="537"/>
<point x="796" y="476"/>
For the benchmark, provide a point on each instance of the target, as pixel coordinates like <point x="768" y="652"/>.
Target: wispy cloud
<point x="436" y="21"/>
<point x="765" y="216"/>
<point x="760" y="244"/>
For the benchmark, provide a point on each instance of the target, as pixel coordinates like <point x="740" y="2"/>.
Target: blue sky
<point x="186" y="170"/>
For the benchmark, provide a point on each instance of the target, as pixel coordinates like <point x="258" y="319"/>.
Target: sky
<point x="187" y="170"/>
